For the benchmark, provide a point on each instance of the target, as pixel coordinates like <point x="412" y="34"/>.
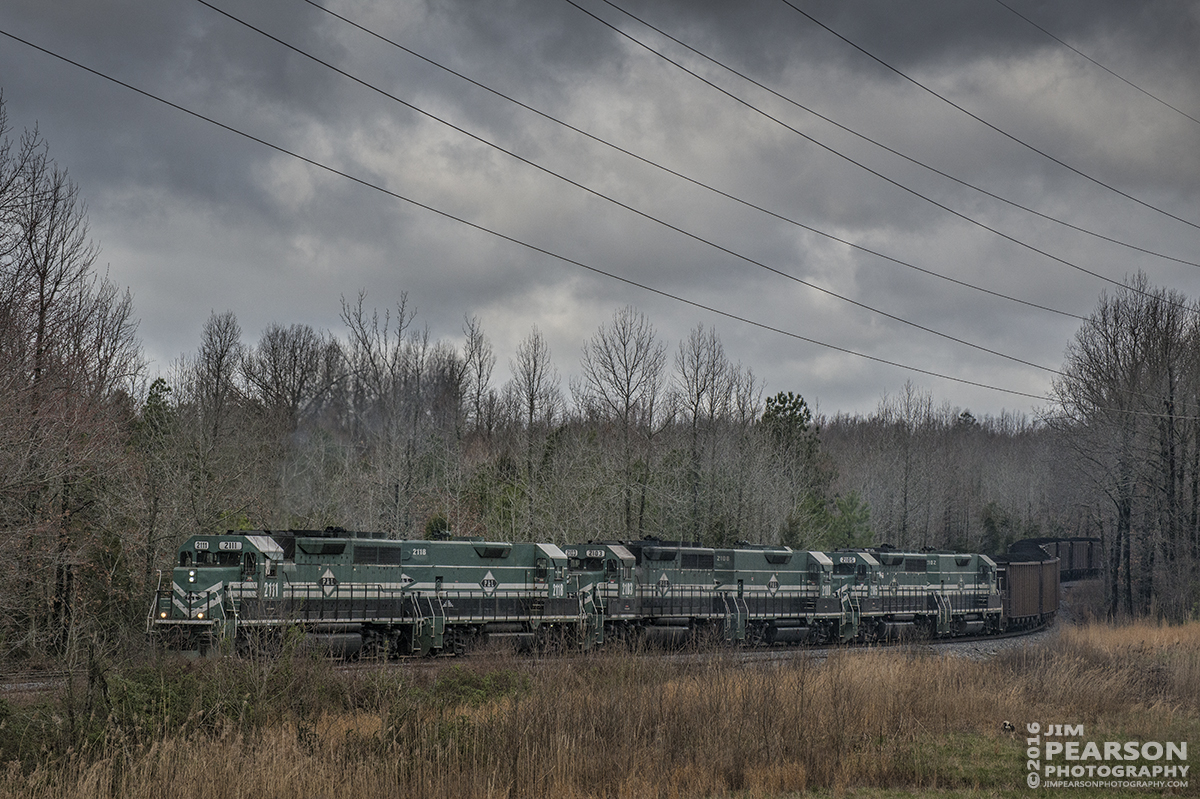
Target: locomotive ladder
<point x="851" y="617"/>
<point x="592" y="620"/>
<point x="231" y="619"/>
<point x="735" y="618"/>
<point x="428" y="628"/>
<point x="944" y="613"/>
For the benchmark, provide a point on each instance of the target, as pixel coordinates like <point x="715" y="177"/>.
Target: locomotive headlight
<point x="192" y="576"/>
<point x="200" y="615"/>
<point x="162" y="615"/>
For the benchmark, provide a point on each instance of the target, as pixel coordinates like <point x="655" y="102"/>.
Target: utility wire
<point x="694" y="181"/>
<point x="893" y="151"/>
<point x="666" y="169"/>
<point x="549" y="253"/>
<point x="985" y="123"/>
<point x="625" y="206"/>
<point x="848" y="159"/>
<point x="654" y="219"/>
<point x="1094" y="62"/>
<point x="505" y="237"/>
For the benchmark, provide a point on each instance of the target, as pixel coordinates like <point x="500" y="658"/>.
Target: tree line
<point x="105" y="468"/>
<point x="1129" y="417"/>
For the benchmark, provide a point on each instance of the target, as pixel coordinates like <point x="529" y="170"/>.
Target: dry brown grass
<point x="621" y="726"/>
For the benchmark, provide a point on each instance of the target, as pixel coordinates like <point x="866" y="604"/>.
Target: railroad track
<point x="35" y="683"/>
<point x="765" y="654"/>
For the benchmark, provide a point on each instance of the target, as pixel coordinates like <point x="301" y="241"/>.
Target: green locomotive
<point x="352" y="592"/>
<point x="363" y="592"/>
<point x="678" y="592"/>
<point x="777" y="595"/>
<point x="937" y="594"/>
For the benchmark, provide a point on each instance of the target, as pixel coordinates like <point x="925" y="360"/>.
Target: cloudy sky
<point x="926" y="184"/>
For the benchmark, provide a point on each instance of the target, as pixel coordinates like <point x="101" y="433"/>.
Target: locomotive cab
<point x="857" y="570"/>
<point x="603" y="578"/>
<point x="214" y="577"/>
<point x="608" y="567"/>
<point x="858" y="575"/>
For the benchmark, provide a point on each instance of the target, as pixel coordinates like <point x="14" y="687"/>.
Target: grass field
<point x="860" y="722"/>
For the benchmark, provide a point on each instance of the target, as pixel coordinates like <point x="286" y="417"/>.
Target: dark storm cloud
<point x="179" y="51"/>
<point x="196" y="219"/>
<point x="928" y="35"/>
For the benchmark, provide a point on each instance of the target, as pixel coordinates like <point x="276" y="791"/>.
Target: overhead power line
<point x="916" y="162"/>
<point x="643" y="214"/>
<point x="987" y="124"/>
<point x="843" y="156"/>
<point x="822" y="145"/>
<point x="1096" y="63"/>
<point x="694" y="181"/>
<point x="513" y="240"/>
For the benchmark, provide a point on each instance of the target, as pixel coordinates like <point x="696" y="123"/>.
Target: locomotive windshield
<point x="210" y="558"/>
<point x="589" y="564"/>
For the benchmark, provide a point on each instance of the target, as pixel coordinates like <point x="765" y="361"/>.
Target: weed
<point x="608" y="726"/>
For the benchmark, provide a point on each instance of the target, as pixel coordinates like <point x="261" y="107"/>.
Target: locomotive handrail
<point x="773" y="603"/>
<point x="799" y="601"/>
<point x="233" y="609"/>
<point x="152" y="617"/>
<point x="309" y="602"/>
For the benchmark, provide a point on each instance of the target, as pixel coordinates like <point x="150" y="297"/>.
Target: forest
<point x="106" y="466"/>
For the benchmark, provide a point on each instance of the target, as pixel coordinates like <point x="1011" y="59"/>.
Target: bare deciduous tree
<point x="480" y="360"/>
<point x="1130" y="401"/>
<point x="285" y="372"/>
<point x="69" y="358"/>
<point x="704" y="381"/>
<point x="222" y="441"/>
<point x="623" y="365"/>
<point x="535" y="393"/>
